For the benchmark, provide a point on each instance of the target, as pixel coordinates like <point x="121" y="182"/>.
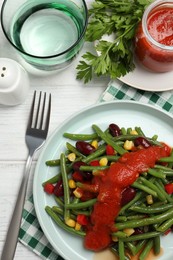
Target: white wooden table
<point x="68" y="96"/>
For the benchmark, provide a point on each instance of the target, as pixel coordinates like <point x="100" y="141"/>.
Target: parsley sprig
<point x="117" y="17"/>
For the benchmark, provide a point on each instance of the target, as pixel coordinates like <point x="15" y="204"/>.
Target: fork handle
<point x="14" y="226"/>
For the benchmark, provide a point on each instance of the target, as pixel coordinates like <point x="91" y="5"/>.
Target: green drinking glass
<point x="48" y="34"/>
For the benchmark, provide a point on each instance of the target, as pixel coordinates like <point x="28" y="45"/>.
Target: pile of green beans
<point x="147" y="221"/>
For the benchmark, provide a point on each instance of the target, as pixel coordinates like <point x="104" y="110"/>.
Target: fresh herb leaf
<point x="119" y="18"/>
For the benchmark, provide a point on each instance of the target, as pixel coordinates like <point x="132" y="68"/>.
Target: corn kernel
<point x="149" y="199"/>
<point x="71" y="157"/>
<point x="77" y="226"/>
<point x="70" y="222"/>
<point x="95" y="143"/>
<point x="72" y="184"/>
<point x="103" y="161"/>
<point x="114" y="238"/>
<point x="78" y="193"/>
<point x="133" y="132"/>
<point x="128" y="145"/>
<point x="129" y="231"/>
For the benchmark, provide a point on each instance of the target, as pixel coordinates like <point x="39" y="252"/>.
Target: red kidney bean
<point x="114" y="130"/>
<point x="84" y="147"/>
<point x="77" y="165"/>
<point x="142" y="141"/>
<point x="85" y="175"/>
<point x="59" y="189"/>
<point x="138" y="231"/>
<point x="127" y="195"/>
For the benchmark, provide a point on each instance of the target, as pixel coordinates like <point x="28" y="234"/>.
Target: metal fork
<point x="35" y="137"/>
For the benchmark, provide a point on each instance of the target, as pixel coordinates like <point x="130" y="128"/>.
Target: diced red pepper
<point x="49" y="188"/>
<point x="109" y="150"/>
<point x="77" y="176"/>
<point x="167" y="231"/>
<point x="95" y="163"/>
<point x="169" y="188"/>
<point x="82" y="219"/>
<point x="87" y="195"/>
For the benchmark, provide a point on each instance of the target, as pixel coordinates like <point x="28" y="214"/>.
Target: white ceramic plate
<point x="144" y="79"/>
<point x="125" y="114"/>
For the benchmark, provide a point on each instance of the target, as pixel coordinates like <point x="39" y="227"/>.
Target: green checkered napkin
<point x="31" y="234"/>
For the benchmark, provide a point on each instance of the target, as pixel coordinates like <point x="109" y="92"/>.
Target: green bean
<point x="136" y="217"/>
<point x="53" y="179"/>
<point x="129" y="129"/>
<point x="83" y="212"/>
<point x="59" y="201"/>
<point x="80" y="137"/>
<point x="164" y="168"/>
<point x="108" y="140"/>
<point x="156" y="245"/>
<point x="146" y="221"/>
<point x="136" y="198"/>
<point x="73" y="149"/>
<point x="157" y="174"/>
<point x="131" y="137"/>
<point x="131" y="247"/>
<point x="81" y="205"/>
<point x="58" y="210"/>
<point x="123" y="131"/>
<point x="144" y="188"/>
<point x="121" y="249"/>
<point x="89" y="168"/>
<point x="66" y="187"/>
<point x="53" y="162"/>
<point x="100" y="151"/>
<point x="141" y="243"/>
<point x="165" y="226"/>
<point x="61" y="224"/>
<point x="159" y="184"/>
<point x="139" y="131"/>
<point x="154" y="137"/>
<point x="146" y="250"/>
<point x="151" y="210"/>
<point x="151" y="185"/>
<point x="119" y="234"/>
<point x="111" y="158"/>
<point x="141" y="236"/>
<point x="166" y="159"/>
<point x="121" y="218"/>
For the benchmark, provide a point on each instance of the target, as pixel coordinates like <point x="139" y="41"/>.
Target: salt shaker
<point x="14" y="82"/>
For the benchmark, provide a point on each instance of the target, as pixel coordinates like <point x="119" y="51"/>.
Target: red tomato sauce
<point x="160" y="27"/>
<point x="119" y="176"/>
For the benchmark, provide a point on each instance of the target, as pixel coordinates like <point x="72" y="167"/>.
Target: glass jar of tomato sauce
<point x="154" y="37"/>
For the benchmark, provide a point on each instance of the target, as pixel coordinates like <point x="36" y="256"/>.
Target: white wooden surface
<point x="68" y="96"/>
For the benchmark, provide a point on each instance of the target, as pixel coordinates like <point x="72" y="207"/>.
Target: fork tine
<point x="32" y="111"/>
<point x="42" y="114"/>
<point x="38" y="110"/>
<point x="48" y="114"/>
